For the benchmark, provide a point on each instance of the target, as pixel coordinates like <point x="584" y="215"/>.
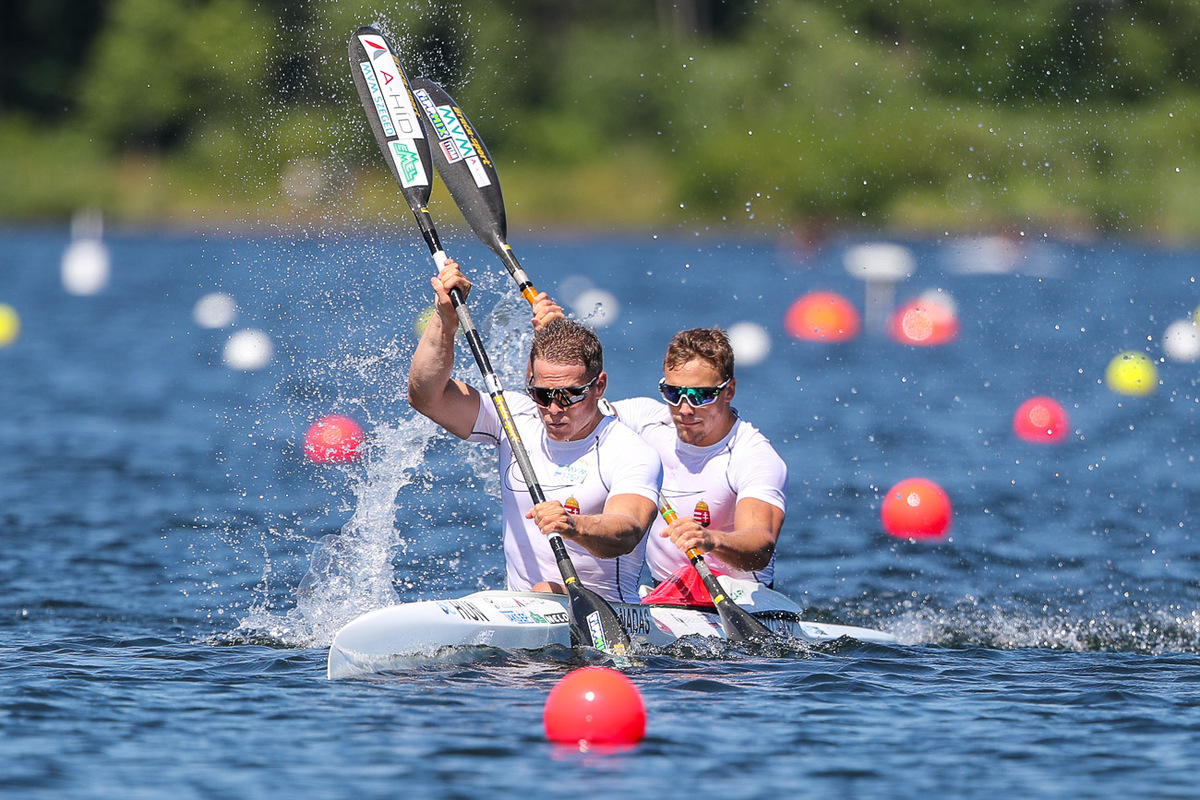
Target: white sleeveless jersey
<point x="705" y="483"/>
<point x="581" y="475"/>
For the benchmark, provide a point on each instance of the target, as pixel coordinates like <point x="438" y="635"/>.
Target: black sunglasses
<point x="565" y="396"/>
<point x="696" y="396"/>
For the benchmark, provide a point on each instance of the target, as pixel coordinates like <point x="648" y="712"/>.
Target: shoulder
<point x="751" y="448"/>
<point x="639" y="413"/>
<point x="623" y="444"/>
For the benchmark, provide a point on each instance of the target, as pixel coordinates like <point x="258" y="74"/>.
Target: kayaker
<point x="725" y="481"/>
<point x="601" y="480"/>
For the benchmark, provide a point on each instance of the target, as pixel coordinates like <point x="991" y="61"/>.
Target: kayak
<point x="386" y="638"/>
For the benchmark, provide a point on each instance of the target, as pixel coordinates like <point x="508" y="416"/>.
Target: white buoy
<point x="1181" y="341"/>
<point x="880" y="265"/>
<point x="596" y="307"/>
<point x="249" y="349"/>
<point x="215" y="310"/>
<point x="85" y="262"/>
<point x="85" y="267"/>
<point x="750" y="341"/>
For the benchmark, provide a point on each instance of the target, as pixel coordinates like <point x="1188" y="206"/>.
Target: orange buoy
<point x="822" y="317"/>
<point x="927" y="321"/>
<point x="594" y="705"/>
<point x="916" y="508"/>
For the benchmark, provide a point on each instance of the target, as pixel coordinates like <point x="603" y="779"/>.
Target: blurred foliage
<point x="926" y="115"/>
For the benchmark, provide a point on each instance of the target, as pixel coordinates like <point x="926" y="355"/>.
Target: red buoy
<point x="916" y="508"/>
<point x="333" y="439"/>
<point x="1041" y="420"/>
<point x="925" y="322"/>
<point x="594" y="705"/>
<point x="822" y="317"/>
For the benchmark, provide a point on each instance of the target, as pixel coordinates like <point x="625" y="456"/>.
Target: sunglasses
<point x="565" y="396"/>
<point x="696" y="396"/>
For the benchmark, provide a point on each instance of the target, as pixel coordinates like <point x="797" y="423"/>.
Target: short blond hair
<point x="710" y="345"/>
<point x="565" y="341"/>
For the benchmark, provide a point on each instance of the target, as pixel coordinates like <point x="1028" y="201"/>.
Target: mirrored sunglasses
<point x="565" y="396"/>
<point x="696" y="396"/>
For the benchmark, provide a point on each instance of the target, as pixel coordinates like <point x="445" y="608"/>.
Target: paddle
<point x="384" y="90"/>
<point x="468" y="172"/>
<point x="736" y="621"/>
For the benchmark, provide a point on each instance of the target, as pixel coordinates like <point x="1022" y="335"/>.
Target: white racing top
<point x="706" y="482"/>
<point x="581" y="475"/>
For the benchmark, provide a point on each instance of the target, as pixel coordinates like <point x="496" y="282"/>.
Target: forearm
<point x="747" y="550"/>
<point x="607" y="535"/>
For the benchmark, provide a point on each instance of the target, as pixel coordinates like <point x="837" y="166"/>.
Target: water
<point x="172" y="569"/>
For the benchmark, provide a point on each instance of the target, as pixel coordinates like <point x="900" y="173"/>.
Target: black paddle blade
<point x="736" y="621"/>
<point x="387" y="98"/>
<point x="464" y="164"/>
<point x="739" y="626"/>
<point x="593" y="622"/>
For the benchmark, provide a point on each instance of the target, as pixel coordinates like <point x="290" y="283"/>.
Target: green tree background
<point x="1069" y="118"/>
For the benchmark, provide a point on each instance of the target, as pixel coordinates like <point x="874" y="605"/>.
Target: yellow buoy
<point x="423" y="320"/>
<point x="1132" y="373"/>
<point x="10" y="325"/>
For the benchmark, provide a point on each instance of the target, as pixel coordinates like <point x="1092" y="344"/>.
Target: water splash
<point x="352" y="572"/>
<point x="1152" y="631"/>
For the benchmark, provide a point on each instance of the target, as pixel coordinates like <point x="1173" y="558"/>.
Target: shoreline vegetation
<point x="789" y="119"/>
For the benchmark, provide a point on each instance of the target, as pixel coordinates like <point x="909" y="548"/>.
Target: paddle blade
<point x="464" y="164"/>
<point x="739" y="626"/>
<point x="593" y="622"/>
<point x="736" y="621"/>
<point x="387" y="98"/>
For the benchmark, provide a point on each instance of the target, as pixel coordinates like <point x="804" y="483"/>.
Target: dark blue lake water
<point x="172" y="568"/>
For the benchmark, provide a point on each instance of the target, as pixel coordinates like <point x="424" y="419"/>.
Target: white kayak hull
<point x="383" y="639"/>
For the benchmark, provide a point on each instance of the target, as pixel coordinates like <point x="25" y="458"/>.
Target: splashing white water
<point x="352" y="572"/>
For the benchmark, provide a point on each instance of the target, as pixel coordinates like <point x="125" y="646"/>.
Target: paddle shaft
<point x="388" y="110"/>
<point x="739" y="625"/>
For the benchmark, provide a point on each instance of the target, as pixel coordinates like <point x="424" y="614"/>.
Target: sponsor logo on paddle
<point x="465" y="143"/>
<point x="384" y="78"/>
<point x="432" y="114"/>
<point x="408" y="163"/>
<point x="478" y="172"/>
<point x="380" y="108"/>
<point x="597" y="631"/>
<point x="450" y="150"/>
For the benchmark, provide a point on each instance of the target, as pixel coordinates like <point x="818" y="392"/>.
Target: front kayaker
<point x="600" y="479"/>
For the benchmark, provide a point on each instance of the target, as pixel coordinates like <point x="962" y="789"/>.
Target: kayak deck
<point x="382" y="639"/>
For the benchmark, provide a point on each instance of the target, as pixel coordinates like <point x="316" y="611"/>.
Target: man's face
<point x="578" y="419"/>
<point x="708" y="424"/>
